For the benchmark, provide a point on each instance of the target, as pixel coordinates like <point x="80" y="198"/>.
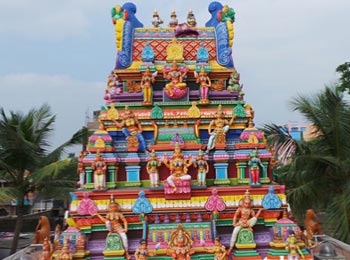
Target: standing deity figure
<point x="132" y="129"/>
<point x="202" y="168"/>
<point x="146" y="85"/>
<point x="255" y="164"/>
<point x="65" y="253"/>
<point x="218" y="249"/>
<point x="178" y="166"/>
<point x="204" y="84"/>
<point x="218" y="128"/>
<point x="244" y="217"/>
<point x="152" y="169"/>
<point x="293" y="248"/>
<point x="99" y="167"/>
<point x="116" y="223"/>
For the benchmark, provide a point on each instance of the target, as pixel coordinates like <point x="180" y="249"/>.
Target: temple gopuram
<point x="177" y="169"/>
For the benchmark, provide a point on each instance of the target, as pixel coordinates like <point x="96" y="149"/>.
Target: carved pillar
<point x="221" y="173"/>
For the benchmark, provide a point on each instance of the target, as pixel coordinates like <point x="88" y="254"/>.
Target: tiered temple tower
<point x="176" y="149"/>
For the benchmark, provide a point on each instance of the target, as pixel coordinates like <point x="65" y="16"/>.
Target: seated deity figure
<point x="180" y="244"/>
<point x="178" y="166"/>
<point x="174" y="52"/>
<point x="176" y="88"/>
<point x="218" y="128"/>
<point x="131" y="127"/>
<point x="244" y="217"/>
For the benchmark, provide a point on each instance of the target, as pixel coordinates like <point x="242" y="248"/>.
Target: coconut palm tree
<point x="317" y="172"/>
<point x="26" y="162"/>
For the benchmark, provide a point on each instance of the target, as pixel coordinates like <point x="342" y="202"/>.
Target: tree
<point x="344" y="81"/>
<point x="317" y="172"/>
<point x="26" y="163"/>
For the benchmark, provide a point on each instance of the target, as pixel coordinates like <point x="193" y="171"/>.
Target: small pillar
<point x="221" y="174"/>
<point x="264" y="179"/>
<point x="132" y="169"/>
<point x="111" y="184"/>
<point x="241" y="168"/>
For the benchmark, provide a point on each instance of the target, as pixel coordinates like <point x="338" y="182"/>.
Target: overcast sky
<point x="61" y="52"/>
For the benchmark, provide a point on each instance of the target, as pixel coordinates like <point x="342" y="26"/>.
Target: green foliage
<point x="344" y="71"/>
<point x="26" y="162"/>
<point x="317" y="173"/>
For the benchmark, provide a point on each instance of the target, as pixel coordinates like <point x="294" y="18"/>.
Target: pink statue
<point x="87" y="206"/>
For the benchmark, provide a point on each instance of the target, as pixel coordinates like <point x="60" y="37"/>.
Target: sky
<point x="61" y="52"/>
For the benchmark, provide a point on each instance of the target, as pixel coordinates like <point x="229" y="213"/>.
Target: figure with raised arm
<point x="131" y="127"/>
<point x="142" y="253"/>
<point x="218" y="128"/>
<point x="116" y="223"/>
<point x="244" y="217"/>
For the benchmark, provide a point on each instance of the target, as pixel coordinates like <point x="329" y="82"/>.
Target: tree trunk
<point x="18" y="228"/>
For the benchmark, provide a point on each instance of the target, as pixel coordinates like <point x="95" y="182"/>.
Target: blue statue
<point x="130" y="8"/>
<point x="202" y="54"/>
<point x="147" y="53"/>
<point x="271" y="200"/>
<point x="214" y="8"/>
<point x="142" y="205"/>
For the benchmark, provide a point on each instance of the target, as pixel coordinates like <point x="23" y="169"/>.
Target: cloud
<point x="70" y="99"/>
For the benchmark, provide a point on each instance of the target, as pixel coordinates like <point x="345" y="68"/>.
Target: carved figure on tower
<point x="152" y="169"/>
<point x="204" y="84"/>
<point x="178" y="167"/>
<point x="202" y="168"/>
<point x="180" y="244"/>
<point x="99" y="167"/>
<point x="176" y="88"/>
<point x="218" y="128"/>
<point x="146" y="85"/>
<point x="244" y="217"/>
<point x="255" y="164"/>
<point x="116" y="223"/>
<point x="132" y="129"/>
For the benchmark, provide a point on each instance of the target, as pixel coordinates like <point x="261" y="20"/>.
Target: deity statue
<point x="116" y="223"/>
<point x="65" y="253"/>
<point x="246" y="218"/>
<point x="99" y="167"/>
<point x="178" y="166"/>
<point x="146" y="85"/>
<point x="218" y="249"/>
<point x="173" y="19"/>
<point x="202" y="168"/>
<point x="312" y="227"/>
<point x="176" y="88"/>
<point x="204" y="83"/>
<point x="152" y="169"/>
<point x="191" y="20"/>
<point x="194" y="111"/>
<point x="255" y="164"/>
<point x="180" y="244"/>
<point x="174" y="52"/>
<point x="147" y="54"/>
<point x="156" y="19"/>
<point x="293" y="248"/>
<point x="142" y="252"/>
<point x="132" y="129"/>
<point x="218" y="128"/>
<point x="57" y="236"/>
<point x="42" y="230"/>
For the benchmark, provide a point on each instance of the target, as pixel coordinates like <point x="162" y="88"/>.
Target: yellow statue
<point x="174" y="51"/>
<point x="194" y="111"/>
